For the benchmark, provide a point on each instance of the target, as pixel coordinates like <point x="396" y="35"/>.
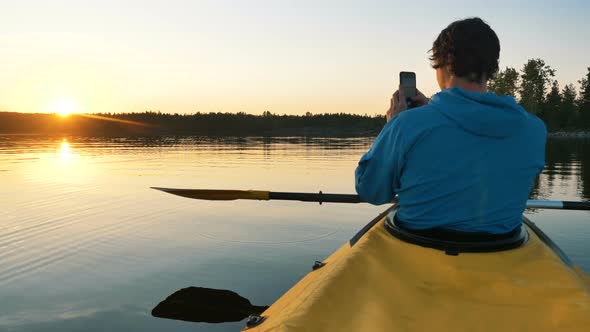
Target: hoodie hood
<point x="483" y="114"/>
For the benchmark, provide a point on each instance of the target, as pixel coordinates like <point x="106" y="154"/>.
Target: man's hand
<point x="420" y="99"/>
<point x="398" y="102"/>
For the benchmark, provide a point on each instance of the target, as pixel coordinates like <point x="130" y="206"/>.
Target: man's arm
<point x="379" y="170"/>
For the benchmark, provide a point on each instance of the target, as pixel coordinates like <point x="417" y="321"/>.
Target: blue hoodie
<point x="465" y="161"/>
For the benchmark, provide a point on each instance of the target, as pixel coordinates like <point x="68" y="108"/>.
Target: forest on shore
<point x="211" y="124"/>
<point x="537" y="90"/>
<point x="534" y="87"/>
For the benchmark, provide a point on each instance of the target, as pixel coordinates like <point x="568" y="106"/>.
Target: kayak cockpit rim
<point x="526" y="221"/>
<point x="453" y="247"/>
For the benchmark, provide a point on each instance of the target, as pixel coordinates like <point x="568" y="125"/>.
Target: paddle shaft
<point x="349" y="198"/>
<point x="313" y="197"/>
<point x="558" y="205"/>
<point x="226" y="195"/>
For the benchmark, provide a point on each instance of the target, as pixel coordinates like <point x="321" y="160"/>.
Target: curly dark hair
<point x="469" y="47"/>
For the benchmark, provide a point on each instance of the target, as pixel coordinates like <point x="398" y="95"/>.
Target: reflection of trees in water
<point x="583" y="149"/>
<point x="267" y="146"/>
<point x="566" y="160"/>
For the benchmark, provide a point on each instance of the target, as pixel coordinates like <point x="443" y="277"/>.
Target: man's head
<point x="467" y="49"/>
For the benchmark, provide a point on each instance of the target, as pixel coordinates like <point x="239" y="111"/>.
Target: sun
<point x="63" y="106"/>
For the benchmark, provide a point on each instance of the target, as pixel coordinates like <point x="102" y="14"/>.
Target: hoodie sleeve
<point x="379" y="170"/>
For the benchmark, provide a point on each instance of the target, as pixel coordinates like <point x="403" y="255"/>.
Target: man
<point x="464" y="161"/>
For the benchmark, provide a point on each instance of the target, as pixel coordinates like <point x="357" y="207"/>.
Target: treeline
<point x="158" y="123"/>
<point x="534" y="86"/>
<point x="539" y="93"/>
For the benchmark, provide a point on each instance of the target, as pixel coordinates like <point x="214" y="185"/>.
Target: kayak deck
<point x="383" y="284"/>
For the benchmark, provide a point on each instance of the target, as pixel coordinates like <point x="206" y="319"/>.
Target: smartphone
<point x="407" y="80"/>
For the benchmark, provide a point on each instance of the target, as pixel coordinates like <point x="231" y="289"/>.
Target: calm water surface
<point x="86" y="246"/>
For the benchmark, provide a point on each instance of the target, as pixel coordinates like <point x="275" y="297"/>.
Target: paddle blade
<point x="217" y="195"/>
<point x="206" y="305"/>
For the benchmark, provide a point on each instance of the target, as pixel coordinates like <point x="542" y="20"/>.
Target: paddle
<point x="228" y="195"/>
<point x="207" y="305"/>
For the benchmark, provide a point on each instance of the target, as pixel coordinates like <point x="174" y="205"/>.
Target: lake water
<point x="85" y="245"/>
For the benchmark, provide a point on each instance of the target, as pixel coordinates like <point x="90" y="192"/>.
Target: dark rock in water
<point x="207" y="305"/>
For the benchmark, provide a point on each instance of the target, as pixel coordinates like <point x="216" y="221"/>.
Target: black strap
<point x="446" y="234"/>
<point x="453" y="242"/>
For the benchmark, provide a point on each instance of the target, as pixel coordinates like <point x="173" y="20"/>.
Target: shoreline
<point x="282" y="132"/>
<point x="569" y="134"/>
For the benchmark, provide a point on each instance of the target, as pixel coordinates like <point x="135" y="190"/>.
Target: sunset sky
<point x="251" y="56"/>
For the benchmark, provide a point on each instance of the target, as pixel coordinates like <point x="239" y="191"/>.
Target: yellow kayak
<point x="379" y="281"/>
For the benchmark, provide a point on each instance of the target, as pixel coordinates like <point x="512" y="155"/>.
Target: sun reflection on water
<point x="64" y="151"/>
<point x="65" y="165"/>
